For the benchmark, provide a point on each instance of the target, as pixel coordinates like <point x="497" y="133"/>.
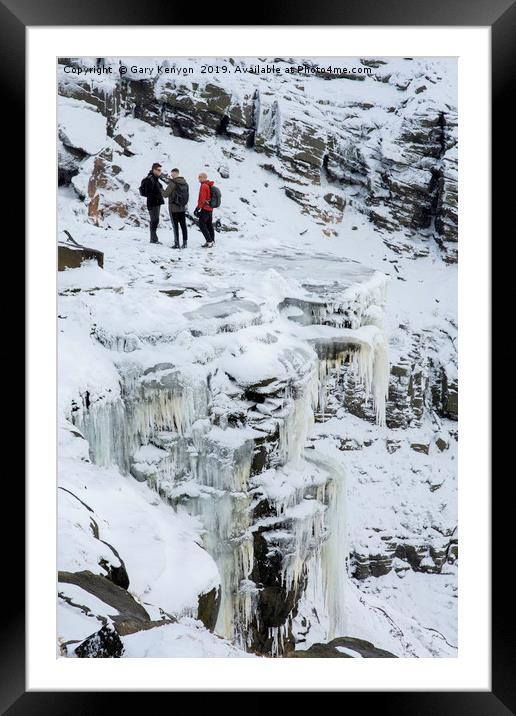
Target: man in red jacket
<point x="204" y="212"/>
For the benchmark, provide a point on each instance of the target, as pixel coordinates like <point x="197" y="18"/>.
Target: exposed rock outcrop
<point x="72" y="256"/>
<point x="343" y="647"/>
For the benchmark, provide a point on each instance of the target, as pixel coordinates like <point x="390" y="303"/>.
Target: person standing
<point x="177" y="193"/>
<point x="151" y="189"/>
<point x="204" y="212"/>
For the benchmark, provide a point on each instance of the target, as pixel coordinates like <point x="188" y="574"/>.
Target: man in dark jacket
<point x="204" y="212"/>
<point x="177" y="194"/>
<point x="154" y="199"/>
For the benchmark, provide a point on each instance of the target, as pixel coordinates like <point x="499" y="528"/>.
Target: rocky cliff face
<point x="272" y="395"/>
<point x="392" y="153"/>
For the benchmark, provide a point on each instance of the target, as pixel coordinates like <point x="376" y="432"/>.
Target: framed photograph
<point x="258" y="281"/>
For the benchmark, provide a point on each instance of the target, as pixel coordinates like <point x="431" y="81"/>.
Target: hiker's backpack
<point x="143" y="187"/>
<point x="215" y="197"/>
<point x="181" y="195"/>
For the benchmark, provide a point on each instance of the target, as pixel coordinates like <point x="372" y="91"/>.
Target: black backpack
<point x="181" y="195"/>
<point x="144" y="186"/>
<point x="215" y="197"/>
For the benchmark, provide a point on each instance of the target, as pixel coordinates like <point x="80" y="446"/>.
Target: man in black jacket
<point x="154" y="197"/>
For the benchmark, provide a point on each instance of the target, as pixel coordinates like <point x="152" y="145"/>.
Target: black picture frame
<point x="500" y="16"/>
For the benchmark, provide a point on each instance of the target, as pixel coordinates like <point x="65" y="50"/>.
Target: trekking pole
<point x="71" y="240"/>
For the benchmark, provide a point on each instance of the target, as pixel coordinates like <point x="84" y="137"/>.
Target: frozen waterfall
<point x="228" y="444"/>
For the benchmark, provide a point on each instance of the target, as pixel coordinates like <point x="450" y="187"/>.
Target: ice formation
<point x="160" y="430"/>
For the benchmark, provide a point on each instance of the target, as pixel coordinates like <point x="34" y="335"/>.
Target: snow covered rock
<point x="186" y="639"/>
<point x="72" y="256"/>
<point x="80" y="126"/>
<point x="106" y="643"/>
<point x="344" y="647"/>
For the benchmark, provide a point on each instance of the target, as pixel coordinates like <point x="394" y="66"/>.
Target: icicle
<point x="226" y="517"/>
<point x="115" y="430"/>
<point x="333" y="555"/>
<point x="307" y="530"/>
<point x="295" y="429"/>
<point x="278" y="635"/>
<point x="326" y="366"/>
<point x="104" y="425"/>
<point x="370" y="366"/>
<point x="325" y="564"/>
<point x="369" y="362"/>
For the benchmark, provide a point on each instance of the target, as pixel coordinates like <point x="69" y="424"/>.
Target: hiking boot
<point x="205" y="245"/>
<point x="157" y="242"/>
<point x="184" y="246"/>
<point x="175" y="246"/>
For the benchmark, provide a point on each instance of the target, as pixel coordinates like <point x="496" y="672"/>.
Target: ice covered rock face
<point x="220" y="437"/>
<point x="276" y="391"/>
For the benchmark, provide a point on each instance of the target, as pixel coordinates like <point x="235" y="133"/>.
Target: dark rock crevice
<point x="222" y="128"/>
<point x="208" y="608"/>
